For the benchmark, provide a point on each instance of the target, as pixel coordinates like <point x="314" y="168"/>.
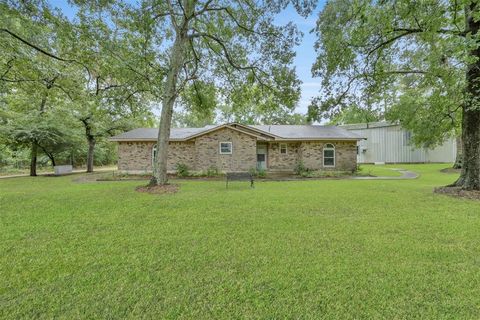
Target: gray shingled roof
<point x="295" y="132"/>
<point x="307" y="132"/>
<point x="152" y="133"/>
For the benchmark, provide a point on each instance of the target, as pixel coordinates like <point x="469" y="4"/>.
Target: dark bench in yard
<point x="239" y="176"/>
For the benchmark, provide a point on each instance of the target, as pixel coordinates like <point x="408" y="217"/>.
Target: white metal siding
<point x="386" y="144"/>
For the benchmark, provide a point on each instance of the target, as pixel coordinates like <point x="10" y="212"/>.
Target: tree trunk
<point x="51" y="157"/>
<point x="34" y="150"/>
<point x="52" y="160"/>
<point x="177" y="59"/>
<point x="470" y="176"/>
<point x="459" y="153"/>
<point x="33" y="159"/>
<point x="91" y="149"/>
<point x="90" y="140"/>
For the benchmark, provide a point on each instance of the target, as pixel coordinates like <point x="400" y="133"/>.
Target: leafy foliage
<point x="405" y="60"/>
<point x="58" y="76"/>
<point x="182" y="170"/>
<point x="355" y="114"/>
<point x="300" y="169"/>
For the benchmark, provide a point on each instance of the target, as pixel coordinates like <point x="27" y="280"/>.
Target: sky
<point x="305" y="53"/>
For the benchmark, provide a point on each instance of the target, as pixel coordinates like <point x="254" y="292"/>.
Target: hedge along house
<point x="235" y="148"/>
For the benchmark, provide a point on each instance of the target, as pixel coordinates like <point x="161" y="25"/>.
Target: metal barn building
<point x="389" y="143"/>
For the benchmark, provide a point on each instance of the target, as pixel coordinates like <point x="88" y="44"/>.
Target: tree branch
<point x="224" y="49"/>
<point x="203" y="10"/>
<point x="391" y="40"/>
<point x="420" y="30"/>
<point x="172" y="15"/>
<point x="31" y="45"/>
<point x="235" y="20"/>
<point x="409" y="31"/>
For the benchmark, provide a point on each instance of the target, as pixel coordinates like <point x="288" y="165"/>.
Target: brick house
<point x="234" y="147"/>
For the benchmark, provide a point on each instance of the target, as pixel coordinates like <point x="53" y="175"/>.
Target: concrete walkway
<point x="406" y="175"/>
<point x="52" y="173"/>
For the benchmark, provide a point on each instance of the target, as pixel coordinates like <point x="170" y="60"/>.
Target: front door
<point x="261" y="157"/>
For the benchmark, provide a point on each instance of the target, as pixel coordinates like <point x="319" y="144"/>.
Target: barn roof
<point x="369" y="125"/>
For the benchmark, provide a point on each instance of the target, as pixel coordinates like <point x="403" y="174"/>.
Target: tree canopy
<point x="58" y="75"/>
<point x="110" y="63"/>
<point x="227" y="45"/>
<point x="420" y="57"/>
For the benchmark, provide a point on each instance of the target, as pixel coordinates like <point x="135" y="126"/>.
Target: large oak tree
<point x="227" y="43"/>
<point x="424" y="55"/>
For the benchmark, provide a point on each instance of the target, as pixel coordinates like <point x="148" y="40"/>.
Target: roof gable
<point x="235" y="127"/>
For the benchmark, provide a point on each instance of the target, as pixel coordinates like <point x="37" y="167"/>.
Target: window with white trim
<point x="283" y="148"/>
<point x="225" y="148"/>
<point x="154" y="155"/>
<point x="329" y="155"/>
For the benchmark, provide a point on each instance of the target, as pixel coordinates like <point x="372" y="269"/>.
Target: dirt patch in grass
<point x="451" y="170"/>
<point x="459" y="192"/>
<point x="163" y="189"/>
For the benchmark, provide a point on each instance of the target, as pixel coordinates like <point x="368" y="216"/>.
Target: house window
<point x="154" y="155"/>
<point x="225" y="148"/>
<point x="329" y="155"/>
<point x="283" y="148"/>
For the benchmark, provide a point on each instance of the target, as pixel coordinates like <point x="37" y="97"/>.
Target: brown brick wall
<point x="311" y="154"/>
<point x="181" y="152"/>
<point x="244" y="150"/>
<point x="203" y="153"/>
<point x="346" y="155"/>
<point x="283" y="162"/>
<point x="137" y="156"/>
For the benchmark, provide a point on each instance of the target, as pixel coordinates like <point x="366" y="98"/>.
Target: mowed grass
<point x="336" y="249"/>
<point x="382" y="170"/>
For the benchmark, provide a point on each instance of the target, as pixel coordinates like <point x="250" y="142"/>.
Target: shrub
<point x="212" y="171"/>
<point x="306" y="174"/>
<point x="182" y="170"/>
<point x="259" y="173"/>
<point x="301" y="170"/>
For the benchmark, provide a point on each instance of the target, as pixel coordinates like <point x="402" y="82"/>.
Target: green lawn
<point x="337" y="249"/>
<point x="382" y="170"/>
